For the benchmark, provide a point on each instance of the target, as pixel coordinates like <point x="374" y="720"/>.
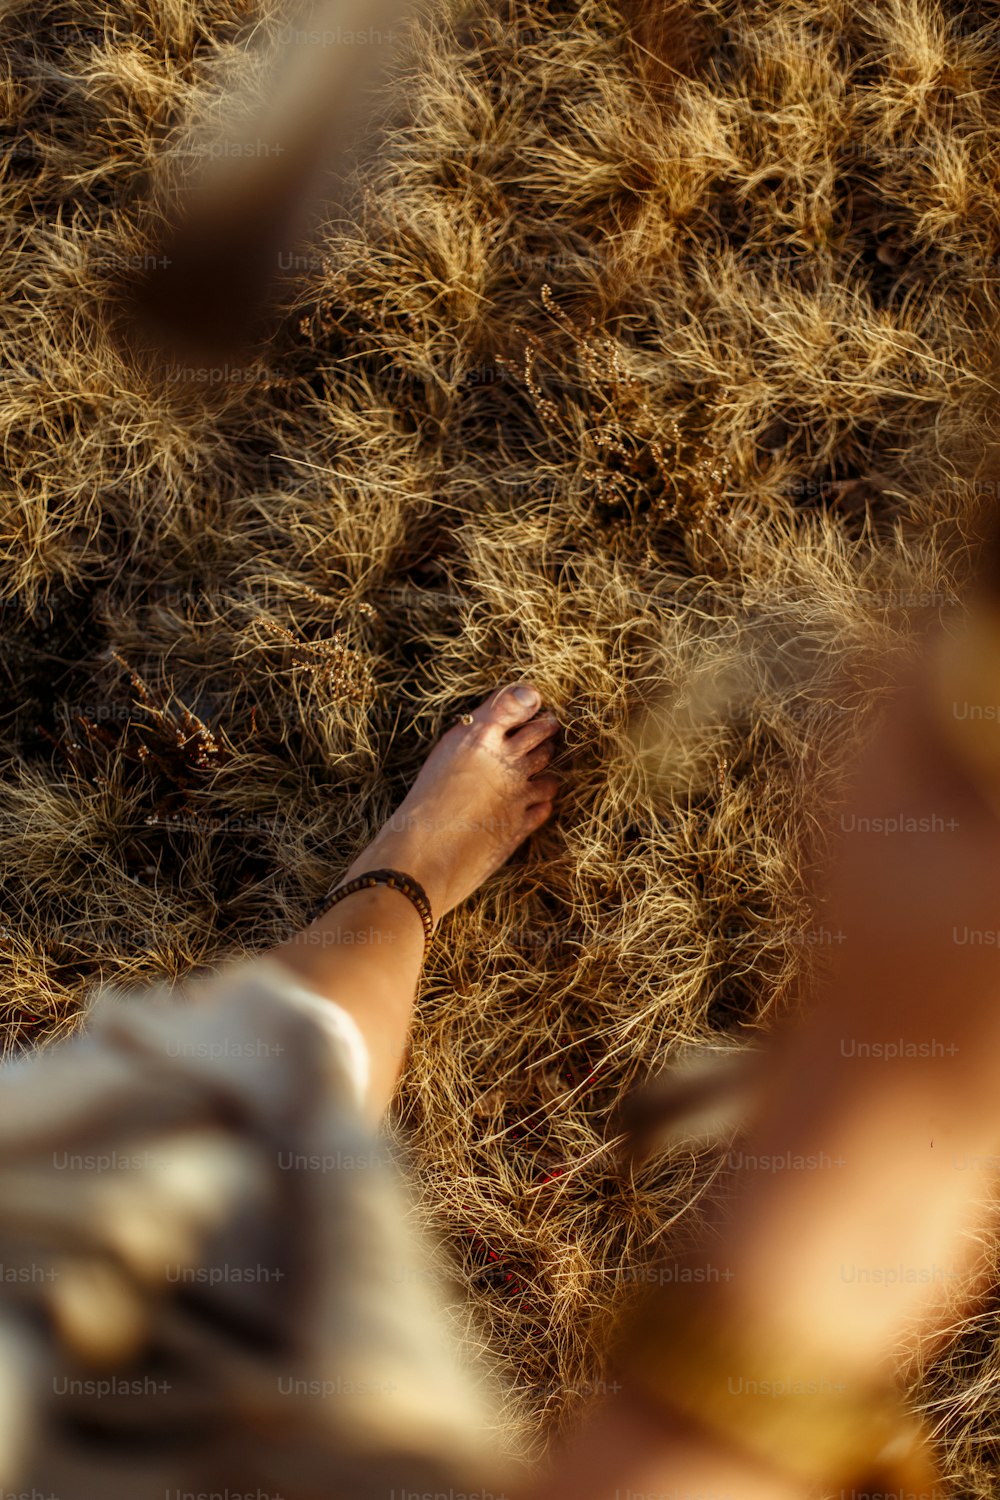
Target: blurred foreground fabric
<point x="206" y="1278"/>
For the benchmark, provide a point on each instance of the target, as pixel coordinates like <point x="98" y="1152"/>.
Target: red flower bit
<point x="510" y="1278"/>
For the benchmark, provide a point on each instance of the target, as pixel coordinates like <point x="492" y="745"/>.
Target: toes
<point x="543" y="788"/>
<point x="534" y="733"/>
<point x="537" y="760"/>
<point x="537" y="815"/>
<point x="510" y="707"/>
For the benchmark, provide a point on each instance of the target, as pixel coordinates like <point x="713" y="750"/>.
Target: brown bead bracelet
<point x="396" y="880"/>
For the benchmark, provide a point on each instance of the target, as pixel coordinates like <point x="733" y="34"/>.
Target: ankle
<point x="401" y="852"/>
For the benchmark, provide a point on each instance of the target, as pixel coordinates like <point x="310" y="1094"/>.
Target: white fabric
<point x="267" y="975"/>
<point x="201" y="1128"/>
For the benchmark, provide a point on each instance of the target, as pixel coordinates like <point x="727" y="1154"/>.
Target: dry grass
<point x="673" y="388"/>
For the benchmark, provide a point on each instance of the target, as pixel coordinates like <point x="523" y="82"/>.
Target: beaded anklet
<point x="396" y="880"/>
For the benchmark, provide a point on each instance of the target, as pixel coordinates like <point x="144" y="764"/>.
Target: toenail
<point x="526" y="695"/>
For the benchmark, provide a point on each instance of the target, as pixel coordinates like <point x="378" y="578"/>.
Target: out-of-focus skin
<point x="917" y="1136"/>
<point x="627" y="1451"/>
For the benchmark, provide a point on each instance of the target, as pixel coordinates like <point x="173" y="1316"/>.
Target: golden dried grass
<point x="676" y="393"/>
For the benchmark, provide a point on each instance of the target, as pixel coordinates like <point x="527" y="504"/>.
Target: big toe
<point x="510" y="707"/>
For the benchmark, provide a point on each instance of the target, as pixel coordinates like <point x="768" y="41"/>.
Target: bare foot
<point x="479" y="794"/>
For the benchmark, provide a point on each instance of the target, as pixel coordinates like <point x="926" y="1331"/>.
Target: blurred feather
<point x="704" y="1097"/>
<point x="207" y="290"/>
